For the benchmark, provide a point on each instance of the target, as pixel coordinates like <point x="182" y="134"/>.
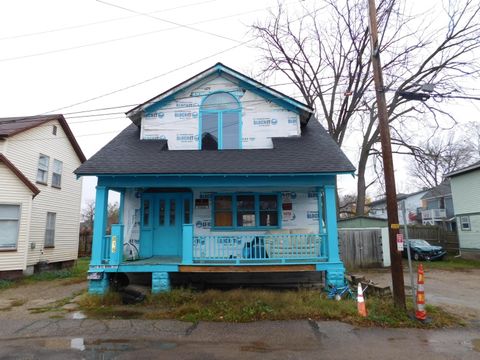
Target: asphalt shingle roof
<point x="313" y="152"/>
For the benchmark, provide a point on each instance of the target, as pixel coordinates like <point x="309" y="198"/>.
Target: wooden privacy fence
<point x="85" y="244"/>
<point x="360" y="247"/>
<point x="436" y="236"/>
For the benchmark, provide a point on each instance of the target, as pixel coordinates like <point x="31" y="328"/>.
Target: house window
<point x="242" y="211"/>
<point x="54" y="130"/>
<point x="50" y="230"/>
<point x="465" y="223"/>
<point x="9" y="224"/>
<point x="57" y="173"/>
<point x="42" y="172"/>
<point x="220" y="122"/>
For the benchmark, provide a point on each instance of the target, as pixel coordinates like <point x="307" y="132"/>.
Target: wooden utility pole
<point x="391" y="192"/>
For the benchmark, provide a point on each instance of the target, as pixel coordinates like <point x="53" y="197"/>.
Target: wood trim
<point x="35" y="190"/>
<point x="246" y="268"/>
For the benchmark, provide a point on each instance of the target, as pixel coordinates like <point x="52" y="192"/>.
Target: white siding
<point x="13" y="191"/>
<point x="466" y="200"/>
<point x="466" y="192"/>
<point x="470" y="239"/>
<point x="23" y="150"/>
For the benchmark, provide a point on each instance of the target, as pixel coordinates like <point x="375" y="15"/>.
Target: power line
<point x="152" y="78"/>
<point x="20" y="57"/>
<point x="170" y="22"/>
<point x="99" y="22"/>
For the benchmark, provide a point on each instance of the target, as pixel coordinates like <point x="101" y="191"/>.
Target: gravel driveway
<point x="456" y="291"/>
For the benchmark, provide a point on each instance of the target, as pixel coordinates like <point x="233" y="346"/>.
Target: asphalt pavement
<point x="170" y="339"/>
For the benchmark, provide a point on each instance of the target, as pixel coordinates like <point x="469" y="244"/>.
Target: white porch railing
<point x="434" y="214"/>
<point x="259" y="248"/>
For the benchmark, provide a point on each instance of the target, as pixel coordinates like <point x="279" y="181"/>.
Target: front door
<point x="167" y="214"/>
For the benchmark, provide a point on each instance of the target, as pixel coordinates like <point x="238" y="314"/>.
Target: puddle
<point x="77" y="343"/>
<point x="78" y="315"/>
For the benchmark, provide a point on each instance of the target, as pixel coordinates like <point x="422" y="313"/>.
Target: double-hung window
<point x="9" y="224"/>
<point x="220" y="122"/>
<point x="50" y="230"/>
<point x="243" y="211"/>
<point x="57" y="173"/>
<point x="42" y="170"/>
<point x="465" y="223"/>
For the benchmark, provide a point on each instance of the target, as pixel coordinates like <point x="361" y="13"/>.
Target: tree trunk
<point x="361" y="187"/>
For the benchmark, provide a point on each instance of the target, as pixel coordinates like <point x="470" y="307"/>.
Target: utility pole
<point x="391" y="192"/>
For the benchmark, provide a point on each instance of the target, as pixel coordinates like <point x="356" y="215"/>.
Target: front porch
<point x="172" y="239"/>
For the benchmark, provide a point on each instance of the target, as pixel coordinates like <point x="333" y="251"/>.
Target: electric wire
<point x="78" y="26"/>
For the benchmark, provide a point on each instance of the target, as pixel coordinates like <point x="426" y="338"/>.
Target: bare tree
<point x="325" y="52"/>
<point x="431" y="162"/>
<point x="346" y="205"/>
<point x="88" y="214"/>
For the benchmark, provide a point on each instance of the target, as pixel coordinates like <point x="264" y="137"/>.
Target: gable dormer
<point x="220" y="109"/>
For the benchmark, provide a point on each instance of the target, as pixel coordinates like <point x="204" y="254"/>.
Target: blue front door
<point x="162" y="228"/>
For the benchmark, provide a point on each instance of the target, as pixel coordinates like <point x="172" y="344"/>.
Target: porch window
<point x="220" y="122"/>
<point x="241" y="211"/>
<point x="268" y="210"/>
<point x="223" y="210"/>
<point x="9" y="224"/>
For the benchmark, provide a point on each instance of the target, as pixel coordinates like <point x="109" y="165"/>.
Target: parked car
<point x="422" y="250"/>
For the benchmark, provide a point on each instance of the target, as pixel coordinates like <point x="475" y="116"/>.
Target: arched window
<point x="220" y="122"/>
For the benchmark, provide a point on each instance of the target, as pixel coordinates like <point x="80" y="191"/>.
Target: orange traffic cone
<point x="362" y="310"/>
<point x="421" y="313"/>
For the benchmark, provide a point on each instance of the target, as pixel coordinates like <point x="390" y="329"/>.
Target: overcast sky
<point x="56" y="56"/>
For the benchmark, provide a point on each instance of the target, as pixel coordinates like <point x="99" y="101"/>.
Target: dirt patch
<point x="18" y="302"/>
<point x="457" y="291"/>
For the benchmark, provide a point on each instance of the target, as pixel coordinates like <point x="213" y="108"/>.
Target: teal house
<point x="218" y="174"/>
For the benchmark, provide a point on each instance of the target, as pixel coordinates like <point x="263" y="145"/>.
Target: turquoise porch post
<point x="187" y="244"/>
<point x="336" y="270"/>
<point x="99" y="225"/>
<point x="121" y="206"/>
<point x="99" y="287"/>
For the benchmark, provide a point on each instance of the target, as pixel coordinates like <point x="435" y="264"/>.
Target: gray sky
<point x="58" y="53"/>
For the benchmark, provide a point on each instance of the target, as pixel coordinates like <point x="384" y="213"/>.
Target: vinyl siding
<point x="23" y="150"/>
<point x="13" y="191"/>
<point x="470" y="239"/>
<point x="466" y="200"/>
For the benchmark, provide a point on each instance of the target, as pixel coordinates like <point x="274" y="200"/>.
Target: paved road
<point x="166" y="339"/>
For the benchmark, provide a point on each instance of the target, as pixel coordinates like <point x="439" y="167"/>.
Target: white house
<point x="465" y="185"/>
<point x="39" y="194"/>
<point x="413" y="203"/>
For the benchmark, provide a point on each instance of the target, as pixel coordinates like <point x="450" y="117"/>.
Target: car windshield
<point x="419" y="242"/>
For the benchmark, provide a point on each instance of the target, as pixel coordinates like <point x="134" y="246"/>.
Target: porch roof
<point x="312" y="152"/>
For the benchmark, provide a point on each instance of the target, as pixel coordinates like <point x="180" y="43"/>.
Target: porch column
<point x="121" y="220"/>
<point x="99" y="224"/>
<point x="187" y="244"/>
<point x="331" y="217"/>
<point x="335" y="271"/>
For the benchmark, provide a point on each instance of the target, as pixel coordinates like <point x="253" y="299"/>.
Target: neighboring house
<point x="218" y="174"/>
<point x="39" y="194"/>
<point x="437" y="207"/>
<point x="413" y="203"/>
<point x="465" y="185"/>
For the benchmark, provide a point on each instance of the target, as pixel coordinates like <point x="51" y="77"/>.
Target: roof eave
<point x="35" y="190"/>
